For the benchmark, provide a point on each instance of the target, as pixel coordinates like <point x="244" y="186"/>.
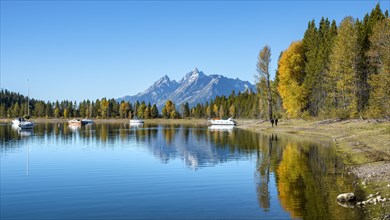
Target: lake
<point x="115" y="171"/>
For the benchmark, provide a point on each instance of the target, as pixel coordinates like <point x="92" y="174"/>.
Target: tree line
<point x="241" y="105"/>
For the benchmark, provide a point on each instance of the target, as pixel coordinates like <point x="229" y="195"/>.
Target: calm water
<point x="114" y="171"/>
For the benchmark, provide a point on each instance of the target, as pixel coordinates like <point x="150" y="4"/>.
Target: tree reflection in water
<point x="308" y="178"/>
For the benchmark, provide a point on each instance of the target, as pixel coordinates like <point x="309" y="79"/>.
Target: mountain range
<point x="195" y="87"/>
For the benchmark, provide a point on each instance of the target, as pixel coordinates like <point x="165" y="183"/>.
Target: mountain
<point x="195" y="87"/>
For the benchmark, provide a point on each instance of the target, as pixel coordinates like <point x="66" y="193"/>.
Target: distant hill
<point x="195" y="87"/>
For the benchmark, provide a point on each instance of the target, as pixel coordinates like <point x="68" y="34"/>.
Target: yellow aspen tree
<point x="291" y="77"/>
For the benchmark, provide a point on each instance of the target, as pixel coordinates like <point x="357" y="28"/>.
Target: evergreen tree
<point x="164" y="112"/>
<point x="364" y="67"/>
<point x="185" y="109"/>
<point x="147" y="112"/>
<point x="379" y="58"/>
<point x="3" y="111"/>
<point x="343" y="71"/>
<point x="317" y="44"/>
<point x="154" y="112"/>
<point x="15" y="110"/>
<point x="141" y="110"/>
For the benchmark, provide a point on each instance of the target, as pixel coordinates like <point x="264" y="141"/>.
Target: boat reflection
<point x="25" y="132"/>
<point x="136" y="125"/>
<point x="15" y="127"/>
<point x="74" y="127"/>
<point x="221" y="128"/>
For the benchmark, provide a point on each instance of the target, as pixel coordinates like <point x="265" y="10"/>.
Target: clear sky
<point x="80" y="50"/>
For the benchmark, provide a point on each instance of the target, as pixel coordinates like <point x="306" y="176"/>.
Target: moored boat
<point x="86" y="121"/>
<point x="17" y="121"/>
<point x="217" y="121"/>
<point x="75" y="122"/>
<point x="136" y="121"/>
<point x="26" y="125"/>
<point x="22" y="123"/>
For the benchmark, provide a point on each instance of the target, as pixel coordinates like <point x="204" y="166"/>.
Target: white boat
<point x="17" y="121"/>
<point x="75" y="122"/>
<point x="86" y="121"/>
<point x="22" y="123"/>
<point x="136" y="121"/>
<point x="217" y="121"/>
<point x="26" y="125"/>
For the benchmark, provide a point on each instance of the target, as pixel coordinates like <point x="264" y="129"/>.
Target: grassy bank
<point x="359" y="141"/>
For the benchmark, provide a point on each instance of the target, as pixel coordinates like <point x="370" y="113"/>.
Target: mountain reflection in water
<point x="293" y="174"/>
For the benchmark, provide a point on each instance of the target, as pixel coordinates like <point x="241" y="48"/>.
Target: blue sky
<point x="80" y="50"/>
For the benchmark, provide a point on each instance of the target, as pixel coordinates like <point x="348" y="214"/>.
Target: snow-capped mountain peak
<point x="195" y="87"/>
<point x="192" y="76"/>
<point x="163" y="80"/>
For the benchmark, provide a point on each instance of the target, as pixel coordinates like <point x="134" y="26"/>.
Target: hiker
<point x="276" y="122"/>
<point x="272" y="122"/>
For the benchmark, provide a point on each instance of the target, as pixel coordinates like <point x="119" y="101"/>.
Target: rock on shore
<point x="346" y="197"/>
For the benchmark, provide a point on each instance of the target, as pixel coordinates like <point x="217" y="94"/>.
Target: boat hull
<point x="229" y="121"/>
<point x="136" y="121"/>
<point x="17" y="121"/>
<point x="86" y="121"/>
<point x="74" y="122"/>
<point x="26" y="125"/>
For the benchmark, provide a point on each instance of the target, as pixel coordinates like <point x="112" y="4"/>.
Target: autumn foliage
<point x="291" y="76"/>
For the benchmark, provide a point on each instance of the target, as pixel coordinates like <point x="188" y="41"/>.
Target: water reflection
<point x="136" y="125"/>
<point x="222" y="127"/>
<point x="308" y="178"/>
<point x="300" y="176"/>
<point x="25" y="132"/>
<point x="74" y="128"/>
